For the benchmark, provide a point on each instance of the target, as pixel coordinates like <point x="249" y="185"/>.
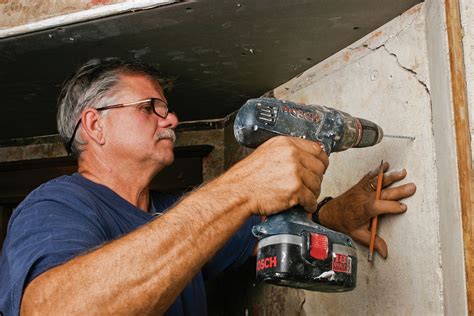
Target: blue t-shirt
<point x="71" y="215"/>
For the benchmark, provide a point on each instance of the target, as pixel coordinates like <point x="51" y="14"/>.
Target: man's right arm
<point x="144" y="271"/>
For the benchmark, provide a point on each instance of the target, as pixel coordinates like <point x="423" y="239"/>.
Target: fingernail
<point x="404" y="206"/>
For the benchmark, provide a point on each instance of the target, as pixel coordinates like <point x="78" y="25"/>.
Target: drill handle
<point x="292" y="221"/>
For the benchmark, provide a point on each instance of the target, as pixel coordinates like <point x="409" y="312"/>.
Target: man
<point x="88" y="243"/>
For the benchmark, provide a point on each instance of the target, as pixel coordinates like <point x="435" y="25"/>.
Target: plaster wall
<point x="386" y="77"/>
<point x="449" y="206"/>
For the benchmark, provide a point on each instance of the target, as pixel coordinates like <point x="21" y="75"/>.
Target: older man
<point x="90" y="244"/>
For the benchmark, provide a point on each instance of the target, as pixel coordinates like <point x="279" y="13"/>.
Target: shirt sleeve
<point x="235" y="252"/>
<point x="41" y="236"/>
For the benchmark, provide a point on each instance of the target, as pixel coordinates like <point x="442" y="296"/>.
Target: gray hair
<point x="93" y="85"/>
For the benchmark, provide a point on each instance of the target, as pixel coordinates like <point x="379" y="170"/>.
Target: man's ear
<point x="91" y="125"/>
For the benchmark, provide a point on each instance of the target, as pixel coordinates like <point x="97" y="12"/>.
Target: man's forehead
<point x="138" y="84"/>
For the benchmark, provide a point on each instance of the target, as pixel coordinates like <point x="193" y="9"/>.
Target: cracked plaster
<point x="395" y="29"/>
<point x="420" y="80"/>
<point x="384" y="77"/>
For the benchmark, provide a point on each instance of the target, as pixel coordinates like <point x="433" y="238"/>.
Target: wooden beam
<point x="82" y="15"/>
<point x="19" y="178"/>
<point x="463" y="141"/>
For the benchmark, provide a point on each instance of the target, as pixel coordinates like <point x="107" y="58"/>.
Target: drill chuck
<point x="263" y="118"/>
<point x="371" y="133"/>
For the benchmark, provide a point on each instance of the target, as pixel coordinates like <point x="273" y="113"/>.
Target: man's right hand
<point x="281" y="173"/>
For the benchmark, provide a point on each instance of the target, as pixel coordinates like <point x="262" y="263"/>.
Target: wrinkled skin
<point x="351" y="212"/>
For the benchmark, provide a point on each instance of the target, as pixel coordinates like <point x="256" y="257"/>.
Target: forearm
<point x="146" y="270"/>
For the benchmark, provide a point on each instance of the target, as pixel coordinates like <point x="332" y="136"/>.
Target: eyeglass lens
<point x="160" y="108"/>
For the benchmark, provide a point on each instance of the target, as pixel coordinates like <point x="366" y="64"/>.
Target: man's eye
<point x="148" y="108"/>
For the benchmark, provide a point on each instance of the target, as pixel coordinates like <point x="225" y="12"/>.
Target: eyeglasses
<point x="150" y="105"/>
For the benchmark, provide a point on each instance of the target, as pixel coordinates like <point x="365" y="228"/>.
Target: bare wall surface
<point x="385" y="77"/>
<point x="450" y="228"/>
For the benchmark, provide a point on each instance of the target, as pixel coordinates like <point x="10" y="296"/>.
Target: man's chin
<point x="166" y="142"/>
<point x="165" y="159"/>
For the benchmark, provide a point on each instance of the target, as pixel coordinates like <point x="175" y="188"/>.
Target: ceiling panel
<point x="219" y="53"/>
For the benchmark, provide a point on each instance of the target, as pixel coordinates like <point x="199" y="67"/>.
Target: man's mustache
<point x="166" y="133"/>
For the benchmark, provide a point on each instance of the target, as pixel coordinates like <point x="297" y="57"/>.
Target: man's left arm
<point x="351" y="212"/>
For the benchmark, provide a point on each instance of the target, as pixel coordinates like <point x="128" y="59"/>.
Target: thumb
<point x="381" y="247"/>
<point x="362" y="235"/>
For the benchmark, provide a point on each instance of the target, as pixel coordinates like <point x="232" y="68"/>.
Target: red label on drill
<point x="265" y="263"/>
<point x="319" y="246"/>
<point x="341" y="263"/>
<point x="302" y="114"/>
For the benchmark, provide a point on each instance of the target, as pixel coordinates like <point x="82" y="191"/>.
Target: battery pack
<point x="310" y="261"/>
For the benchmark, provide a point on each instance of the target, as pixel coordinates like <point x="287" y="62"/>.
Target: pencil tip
<point x="369" y="258"/>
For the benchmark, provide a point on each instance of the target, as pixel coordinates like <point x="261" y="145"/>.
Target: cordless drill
<point x="293" y="250"/>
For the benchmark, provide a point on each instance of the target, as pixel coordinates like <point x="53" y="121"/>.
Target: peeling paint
<point x="346" y="57"/>
<point x="94" y="3"/>
<point x="23" y="11"/>
<point x="49" y="14"/>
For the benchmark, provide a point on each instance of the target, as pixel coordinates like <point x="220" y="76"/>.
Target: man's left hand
<point x="351" y="212"/>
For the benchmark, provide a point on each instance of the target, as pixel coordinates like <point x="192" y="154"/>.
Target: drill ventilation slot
<point x="266" y="114"/>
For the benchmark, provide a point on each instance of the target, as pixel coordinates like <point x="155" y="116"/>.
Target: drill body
<point x="294" y="251"/>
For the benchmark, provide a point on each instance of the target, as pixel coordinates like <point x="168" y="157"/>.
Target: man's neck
<point x="129" y="181"/>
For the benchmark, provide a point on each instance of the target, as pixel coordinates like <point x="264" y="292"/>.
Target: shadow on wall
<point x="236" y="293"/>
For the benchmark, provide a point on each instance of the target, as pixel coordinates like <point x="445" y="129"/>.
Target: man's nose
<point x="171" y="121"/>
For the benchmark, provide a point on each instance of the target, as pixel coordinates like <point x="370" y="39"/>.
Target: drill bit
<point x="400" y="136"/>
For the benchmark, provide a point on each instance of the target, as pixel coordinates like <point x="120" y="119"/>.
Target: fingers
<point x="399" y="192"/>
<point x="314" y="162"/>
<point x="380" y="207"/>
<point x="388" y="179"/>
<point x="313" y="166"/>
<point x="375" y="172"/>
<point x="393" y="176"/>
<point x="381" y="247"/>
<point x="312" y="148"/>
<point x="285" y="171"/>
<point x="363" y="236"/>
<point x="308" y="200"/>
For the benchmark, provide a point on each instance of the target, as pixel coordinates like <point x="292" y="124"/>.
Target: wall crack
<point x="414" y="73"/>
<point x="362" y="49"/>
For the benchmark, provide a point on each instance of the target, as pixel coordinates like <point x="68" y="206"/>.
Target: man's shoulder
<point x="63" y="187"/>
<point x="64" y="193"/>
